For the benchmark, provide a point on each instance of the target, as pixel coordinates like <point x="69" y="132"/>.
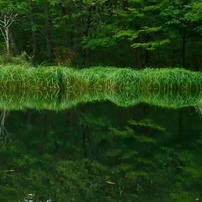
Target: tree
<point x="6" y="22"/>
<point x="8" y="16"/>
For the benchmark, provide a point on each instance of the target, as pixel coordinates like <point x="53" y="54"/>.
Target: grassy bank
<point x="57" y="88"/>
<point x="172" y="88"/>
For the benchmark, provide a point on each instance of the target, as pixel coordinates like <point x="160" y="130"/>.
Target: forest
<point x="123" y="149"/>
<point x="121" y="33"/>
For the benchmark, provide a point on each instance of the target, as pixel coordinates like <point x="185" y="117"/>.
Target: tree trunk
<point x="124" y="4"/>
<point x="147" y="56"/>
<point x="7" y="41"/>
<point x="185" y="37"/>
<point x="86" y="34"/>
<point x="13" y="46"/>
<point x="47" y="31"/>
<point x="183" y="50"/>
<point x="138" y="61"/>
<point x="195" y="56"/>
<point x="34" y="41"/>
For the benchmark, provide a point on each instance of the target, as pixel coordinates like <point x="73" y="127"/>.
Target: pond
<point x="100" y="135"/>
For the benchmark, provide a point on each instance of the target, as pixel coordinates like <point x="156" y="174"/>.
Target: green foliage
<point x="99" y="43"/>
<point x="148" y="123"/>
<point x="89" y="33"/>
<point x="93" y="159"/>
<point x="193" y="14"/>
<point x="151" y="45"/>
<point x="137" y="161"/>
<point x="129" y="34"/>
<point x="18" y="61"/>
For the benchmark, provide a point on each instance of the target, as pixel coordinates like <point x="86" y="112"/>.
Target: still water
<point x="100" y="134"/>
<point x="101" y="152"/>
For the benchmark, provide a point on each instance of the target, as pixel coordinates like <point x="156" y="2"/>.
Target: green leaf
<point x="129" y="34"/>
<point x="147" y="123"/>
<point x="99" y="42"/>
<point x="148" y="30"/>
<point x="152" y="45"/>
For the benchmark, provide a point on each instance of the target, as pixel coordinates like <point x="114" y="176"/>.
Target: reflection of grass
<point x="59" y="88"/>
<point x="171" y="100"/>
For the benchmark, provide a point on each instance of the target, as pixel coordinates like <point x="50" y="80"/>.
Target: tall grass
<point x="57" y="88"/>
<point x="18" y="60"/>
<point x="171" y="80"/>
<point x="99" y="83"/>
<point x="28" y="87"/>
<point x="171" y="87"/>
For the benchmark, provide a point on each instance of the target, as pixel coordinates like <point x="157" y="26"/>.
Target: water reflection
<point x="101" y="152"/>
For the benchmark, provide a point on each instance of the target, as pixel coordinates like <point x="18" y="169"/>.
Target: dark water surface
<point x="102" y="152"/>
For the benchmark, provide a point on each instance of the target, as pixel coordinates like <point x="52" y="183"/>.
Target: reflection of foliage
<point x="81" y="156"/>
<point x="147" y="123"/>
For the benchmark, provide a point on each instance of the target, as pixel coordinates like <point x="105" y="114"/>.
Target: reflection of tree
<point x="4" y="135"/>
<point x="138" y="160"/>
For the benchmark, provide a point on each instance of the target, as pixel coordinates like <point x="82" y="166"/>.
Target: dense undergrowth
<point x="58" y="88"/>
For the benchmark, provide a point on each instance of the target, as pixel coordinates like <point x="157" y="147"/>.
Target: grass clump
<point x="172" y="88"/>
<point x="171" y="80"/>
<point x="17" y="61"/>
<point x="57" y="88"/>
<point x="28" y="87"/>
<point x="122" y="86"/>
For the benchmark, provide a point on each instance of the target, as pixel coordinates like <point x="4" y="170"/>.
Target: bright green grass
<point x="57" y="88"/>
<point x="171" y="80"/>
<point x="172" y="88"/>
<point x="28" y="87"/>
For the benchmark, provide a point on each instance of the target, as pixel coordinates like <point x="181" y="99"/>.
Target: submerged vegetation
<point x="58" y="88"/>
